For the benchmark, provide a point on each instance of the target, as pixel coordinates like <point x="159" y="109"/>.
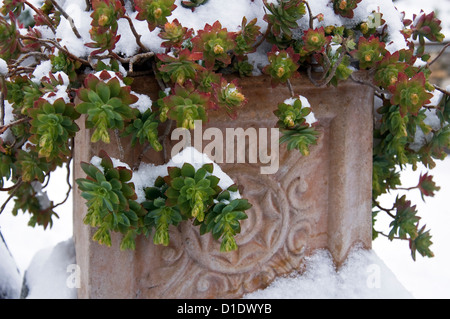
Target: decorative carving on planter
<point x="310" y="203"/>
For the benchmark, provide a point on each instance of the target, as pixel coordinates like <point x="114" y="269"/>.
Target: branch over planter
<point x="58" y="57"/>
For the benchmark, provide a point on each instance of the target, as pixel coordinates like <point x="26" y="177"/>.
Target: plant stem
<point x="68" y="18"/>
<point x="439" y="54"/>
<point x="311" y="18"/>
<point x="136" y="35"/>
<point x="291" y="90"/>
<point x="3" y="128"/>
<point x="42" y="15"/>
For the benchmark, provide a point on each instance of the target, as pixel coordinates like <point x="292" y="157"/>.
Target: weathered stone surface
<point x="319" y="201"/>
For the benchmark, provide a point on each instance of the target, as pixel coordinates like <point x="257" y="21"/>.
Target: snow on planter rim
<point x="229" y="13"/>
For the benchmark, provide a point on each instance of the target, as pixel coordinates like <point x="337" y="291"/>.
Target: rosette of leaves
<point x="215" y="42"/>
<point x="160" y="216"/>
<point x="104" y="40"/>
<point x="144" y="129"/>
<point x="186" y="105"/>
<point x="174" y="34"/>
<point x="180" y="68"/>
<point x="345" y="7"/>
<point x="388" y="69"/>
<point x="290" y="115"/>
<point x="206" y="79"/>
<point x="52" y="126"/>
<point x="369" y="52"/>
<point x="246" y="38"/>
<point x="192" y="4"/>
<point x="410" y="94"/>
<point x="155" y="12"/>
<point x="283" y="65"/>
<point x="106" y="13"/>
<point x="10" y="47"/>
<point x="106" y="103"/>
<point x="31" y="167"/>
<point x="223" y="220"/>
<point x="192" y="191"/>
<point x="110" y="198"/>
<point x="427" y="26"/>
<point x="297" y="132"/>
<point x="315" y="40"/>
<point x="283" y="16"/>
<point x="229" y="96"/>
<point x="22" y="92"/>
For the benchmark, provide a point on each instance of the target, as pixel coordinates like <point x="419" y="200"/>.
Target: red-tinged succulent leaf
<point x="428" y="26"/>
<point x="10" y="47"/>
<point x="14" y="6"/>
<point x="410" y="94"/>
<point x="388" y="69"/>
<point x="345" y="7"/>
<point x="174" y="34"/>
<point x="369" y="52"/>
<point x="283" y="65"/>
<point x="215" y="42"/>
<point x="155" y="12"/>
<point x="186" y="105"/>
<point x="283" y="16"/>
<point x="315" y="40"/>
<point x="427" y="186"/>
<point x="181" y="68"/>
<point x="229" y="96"/>
<point x="106" y="13"/>
<point x="246" y="38"/>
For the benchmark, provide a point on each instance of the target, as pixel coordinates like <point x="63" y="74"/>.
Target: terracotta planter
<point x="319" y="201"/>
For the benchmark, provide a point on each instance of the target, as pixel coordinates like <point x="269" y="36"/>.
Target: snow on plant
<point x="197" y="55"/>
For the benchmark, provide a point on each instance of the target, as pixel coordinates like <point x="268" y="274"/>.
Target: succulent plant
<point x="291" y="114"/>
<point x="284" y="15"/>
<point x="106" y="103"/>
<point x="186" y="105"/>
<point x="192" y="191"/>
<point x="10" y="46"/>
<point x="52" y="126"/>
<point x="174" y="34"/>
<point x="215" y="42"/>
<point x="181" y="68"/>
<point x="110" y="199"/>
<point x="388" y="69"/>
<point x="369" y="52"/>
<point x="410" y="94"/>
<point x="246" y="38"/>
<point x="229" y="96"/>
<point x="223" y="220"/>
<point x="345" y="7"/>
<point x="155" y="12"/>
<point x="144" y="129"/>
<point x="315" y="40"/>
<point x="283" y="65"/>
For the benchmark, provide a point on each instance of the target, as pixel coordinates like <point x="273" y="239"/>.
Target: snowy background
<point x="49" y="252"/>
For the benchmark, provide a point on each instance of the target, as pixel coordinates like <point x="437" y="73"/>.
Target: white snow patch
<point x="147" y="174"/>
<point x="363" y="276"/>
<point x="10" y="279"/>
<point x="50" y="271"/>
<point x="3" y="67"/>
<point x="143" y="104"/>
<point x="42" y="70"/>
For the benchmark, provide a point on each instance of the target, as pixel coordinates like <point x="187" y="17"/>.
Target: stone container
<point x="320" y="201"/>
